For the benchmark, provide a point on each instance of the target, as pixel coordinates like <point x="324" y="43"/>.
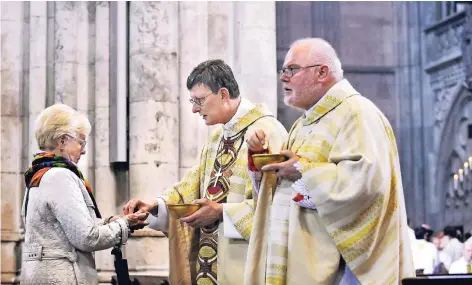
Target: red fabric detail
<point x="213" y="190"/>
<point x="87" y="186"/>
<point x="37" y="177"/>
<point x="299" y="197"/>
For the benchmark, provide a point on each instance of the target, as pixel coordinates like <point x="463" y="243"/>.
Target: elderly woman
<point x="59" y="210"/>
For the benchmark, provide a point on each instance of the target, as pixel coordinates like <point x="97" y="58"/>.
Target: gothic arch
<point x="452" y="150"/>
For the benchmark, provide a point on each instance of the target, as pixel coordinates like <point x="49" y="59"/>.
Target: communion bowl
<point x="261" y="160"/>
<point x="179" y="211"/>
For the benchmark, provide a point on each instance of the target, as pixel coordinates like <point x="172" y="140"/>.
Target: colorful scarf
<point x="44" y="161"/>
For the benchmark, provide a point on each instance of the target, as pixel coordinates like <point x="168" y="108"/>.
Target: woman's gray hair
<point x="322" y="52"/>
<point x="56" y="121"/>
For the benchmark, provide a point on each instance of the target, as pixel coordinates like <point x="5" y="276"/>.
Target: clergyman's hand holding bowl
<point x="261" y="160"/>
<point x="179" y="211"/>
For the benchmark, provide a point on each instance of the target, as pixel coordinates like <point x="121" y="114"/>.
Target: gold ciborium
<point x="264" y="159"/>
<point x="182" y="210"/>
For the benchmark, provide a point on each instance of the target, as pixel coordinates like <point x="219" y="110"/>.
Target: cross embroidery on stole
<point x="217" y="191"/>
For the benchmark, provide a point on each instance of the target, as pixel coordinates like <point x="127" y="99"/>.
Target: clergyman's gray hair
<point x="322" y="52"/>
<point x="215" y="74"/>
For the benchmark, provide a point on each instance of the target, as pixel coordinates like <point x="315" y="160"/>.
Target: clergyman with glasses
<point x="212" y="248"/>
<point x="345" y="219"/>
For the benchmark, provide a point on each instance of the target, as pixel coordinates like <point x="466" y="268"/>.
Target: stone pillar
<point x="253" y="51"/>
<point x="193" y="49"/>
<point x="71" y="61"/>
<point x="153" y="119"/>
<point x="411" y="98"/>
<point x="416" y="184"/>
<point x="65" y="58"/>
<point x="105" y="186"/>
<point x="220" y="30"/>
<point x="227" y="31"/>
<point x="37" y="70"/>
<point x="12" y="185"/>
<point x="84" y="77"/>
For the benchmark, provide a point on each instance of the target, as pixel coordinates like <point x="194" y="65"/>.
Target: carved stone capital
<point x="466" y="45"/>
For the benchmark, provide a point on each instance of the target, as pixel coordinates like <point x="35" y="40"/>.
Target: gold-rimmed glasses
<point x="199" y="101"/>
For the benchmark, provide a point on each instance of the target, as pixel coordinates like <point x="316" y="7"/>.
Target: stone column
<point x="403" y="82"/>
<point x="65" y="52"/>
<point x="253" y="51"/>
<point x="153" y="119"/>
<point x="193" y="49"/>
<point x="12" y="185"/>
<point x="70" y="62"/>
<point x="236" y="34"/>
<point x="37" y="70"/>
<point x="220" y="31"/>
<point x="412" y="93"/>
<point x="84" y="77"/>
<point x="105" y="186"/>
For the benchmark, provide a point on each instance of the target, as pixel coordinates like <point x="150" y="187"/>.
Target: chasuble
<point x="212" y="255"/>
<point x="344" y="221"/>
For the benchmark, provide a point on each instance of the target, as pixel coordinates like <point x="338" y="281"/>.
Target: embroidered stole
<point x="217" y="191"/>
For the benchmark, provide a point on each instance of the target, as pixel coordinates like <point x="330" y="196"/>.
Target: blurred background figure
<point x="436" y="239"/>
<point x="451" y="247"/>
<point x="464" y="264"/>
<point x="425" y="253"/>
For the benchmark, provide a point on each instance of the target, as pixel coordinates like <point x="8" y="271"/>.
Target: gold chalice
<point x="182" y="210"/>
<point x="261" y="160"/>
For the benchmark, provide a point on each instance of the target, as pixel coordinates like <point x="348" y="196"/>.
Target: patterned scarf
<point x="44" y="161"/>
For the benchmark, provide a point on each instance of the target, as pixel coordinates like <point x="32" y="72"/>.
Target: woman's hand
<point x="113" y="218"/>
<point x="137" y="221"/>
